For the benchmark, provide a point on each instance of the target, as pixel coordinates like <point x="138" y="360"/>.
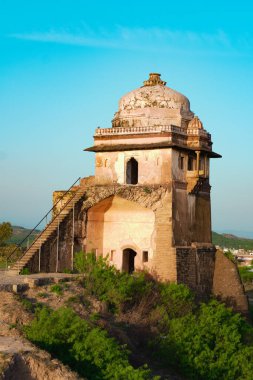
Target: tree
<point x="5" y="232"/>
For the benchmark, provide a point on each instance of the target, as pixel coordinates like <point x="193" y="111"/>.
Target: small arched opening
<point x="132" y="172"/>
<point x="128" y="260"/>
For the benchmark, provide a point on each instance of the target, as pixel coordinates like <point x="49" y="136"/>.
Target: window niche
<point x="112" y="255"/>
<point x="181" y="162"/>
<point x="144" y="256"/>
<point x="191" y="163"/>
<point x="132" y="172"/>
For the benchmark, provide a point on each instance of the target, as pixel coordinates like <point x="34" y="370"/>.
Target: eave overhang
<point x="161" y="145"/>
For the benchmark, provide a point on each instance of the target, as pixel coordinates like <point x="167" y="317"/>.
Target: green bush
<point x="206" y="341"/>
<point x="178" y="300"/>
<point x="212" y="343"/>
<point x="27" y="305"/>
<point x="108" y="284"/>
<point x="57" y="288"/>
<point x="25" y="271"/>
<point x="230" y="256"/>
<point x="88" y="350"/>
<point x="245" y="274"/>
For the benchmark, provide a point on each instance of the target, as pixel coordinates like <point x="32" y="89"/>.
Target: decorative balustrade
<point x="198" y="132"/>
<point x="139" y="130"/>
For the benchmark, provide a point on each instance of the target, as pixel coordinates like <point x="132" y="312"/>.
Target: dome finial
<point x="195" y="123"/>
<point x="154" y="79"/>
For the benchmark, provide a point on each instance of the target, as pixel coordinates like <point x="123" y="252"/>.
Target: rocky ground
<point x="20" y="356"/>
<point x="19" y="359"/>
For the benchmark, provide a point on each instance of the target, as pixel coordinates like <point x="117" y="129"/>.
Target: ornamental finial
<point x="154" y="79"/>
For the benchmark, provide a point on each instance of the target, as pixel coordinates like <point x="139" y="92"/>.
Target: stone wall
<point x="195" y="268"/>
<point x="227" y="285"/>
<point x="164" y="263"/>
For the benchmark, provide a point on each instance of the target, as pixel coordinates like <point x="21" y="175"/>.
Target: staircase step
<point x="50" y="228"/>
<point x="13" y="272"/>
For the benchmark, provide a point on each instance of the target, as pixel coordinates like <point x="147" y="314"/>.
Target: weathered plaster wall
<point x="146" y="197"/>
<point x="191" y="217"/>
<point x="115" y="224"/>
<point x="181" y="216"/>
<point x="227" y="285"/>
<point x="201" y="226"/>
<point x="178" y="173"/>
<point x="153" y="166"/>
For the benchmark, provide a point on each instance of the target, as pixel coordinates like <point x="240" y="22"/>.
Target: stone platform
<point x="16" y="283"/>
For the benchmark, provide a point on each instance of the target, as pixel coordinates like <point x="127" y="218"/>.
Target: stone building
<point x="148" y="205"/>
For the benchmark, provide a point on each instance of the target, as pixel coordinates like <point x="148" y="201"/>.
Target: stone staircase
<point x="46" y="233"/>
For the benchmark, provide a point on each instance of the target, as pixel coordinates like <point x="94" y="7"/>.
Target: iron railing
<point x="40" y="222"/>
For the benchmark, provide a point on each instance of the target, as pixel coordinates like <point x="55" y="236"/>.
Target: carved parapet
<point x="139" y="130"/>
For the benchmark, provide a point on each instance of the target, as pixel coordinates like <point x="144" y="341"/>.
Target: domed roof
<point x="152" y="104"/>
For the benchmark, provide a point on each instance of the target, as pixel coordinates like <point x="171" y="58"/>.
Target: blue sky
<point x="65" y="64"/>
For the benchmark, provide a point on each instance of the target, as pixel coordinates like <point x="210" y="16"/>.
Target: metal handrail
<point x="19" y="245"/>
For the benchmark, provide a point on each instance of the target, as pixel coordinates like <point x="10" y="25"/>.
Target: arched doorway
<point x="132" y="172"/>
<point x="128" y="260"/>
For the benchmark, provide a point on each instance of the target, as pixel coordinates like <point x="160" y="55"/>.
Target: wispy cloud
<point x="66" y="39"/>
<point x="142" y="38"/>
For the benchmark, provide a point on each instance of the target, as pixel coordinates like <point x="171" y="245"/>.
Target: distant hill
<point x="232" y="241"/>
<point x="19" y="234"/>
<point x="223" y="240"/>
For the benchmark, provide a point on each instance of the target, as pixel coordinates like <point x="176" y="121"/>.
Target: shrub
<point x="25" y="271"/>
<point x="57" y="288"/>
<point x="206" y="341"/>
<point x="245" y="274"/>
<point x="67" y="271"/>
<point x="177" y="299"/>
<point x="230" y="256"/>
<point x="27" y="304"/>
<point x="213" y="343"/>
<point x="88" y="350"/>
<point x="108" y="284"/>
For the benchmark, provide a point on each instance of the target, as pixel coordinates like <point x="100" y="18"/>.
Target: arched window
<point x="132" y="172"/>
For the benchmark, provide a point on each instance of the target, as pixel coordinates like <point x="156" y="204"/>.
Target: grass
<point x="43" y="295"/>
<point x="57" y="288"/>
<point x="245" y="274"/>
